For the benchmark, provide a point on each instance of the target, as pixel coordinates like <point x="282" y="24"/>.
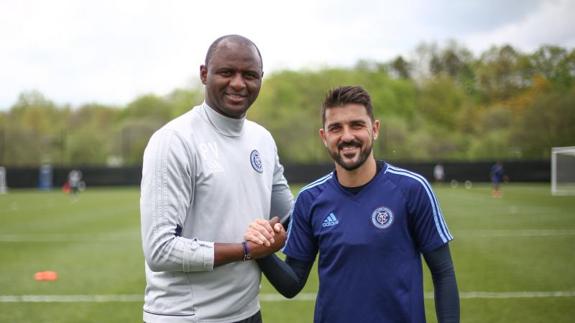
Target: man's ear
<point x="376" y="126"/>
<point x="322" y="136"/>
<point x="204" y="74"/>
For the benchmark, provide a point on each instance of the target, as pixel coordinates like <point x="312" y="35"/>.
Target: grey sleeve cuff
<point x="198" y="256"/>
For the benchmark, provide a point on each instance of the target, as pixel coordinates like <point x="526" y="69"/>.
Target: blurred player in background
<point x="206" y="176"/>
<point x="370" y="222"/>
<point x="497" y="176"/>
<point x="439" y="173"/>
<point x="75" y="181"/>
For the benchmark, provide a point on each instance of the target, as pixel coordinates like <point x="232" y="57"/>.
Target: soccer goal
<point x="563" y="170"/>
<point x="3" y="188"/>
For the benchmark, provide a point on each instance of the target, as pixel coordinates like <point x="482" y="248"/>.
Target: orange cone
<point x="46" y="276"/>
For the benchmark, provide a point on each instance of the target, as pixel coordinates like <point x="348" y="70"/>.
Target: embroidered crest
<point x="256" y="161"/>
<point x="382" y="217"/>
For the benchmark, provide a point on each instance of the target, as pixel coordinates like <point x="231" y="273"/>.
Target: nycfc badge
<point x="256" y="161"/>
<point x="382" y="217"/>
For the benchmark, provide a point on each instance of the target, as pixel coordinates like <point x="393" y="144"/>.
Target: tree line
<point x="441" y="103"/>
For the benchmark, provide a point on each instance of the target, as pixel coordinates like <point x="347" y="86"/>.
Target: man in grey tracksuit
<point x="206" y="176"/>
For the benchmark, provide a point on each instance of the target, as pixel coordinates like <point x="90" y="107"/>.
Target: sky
<point x="112" y="51"/>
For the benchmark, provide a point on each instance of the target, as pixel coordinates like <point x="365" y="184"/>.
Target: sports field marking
<point x="39" y="237"/>
<point x="69" y="237"/>
<point x="71" y="298"/>
<point x="548" y="294"/>
<point x="505" y="233"/>
<point x="134" y="298"/>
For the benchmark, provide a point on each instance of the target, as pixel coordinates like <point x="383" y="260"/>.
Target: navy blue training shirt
<point x="369" y="245"/>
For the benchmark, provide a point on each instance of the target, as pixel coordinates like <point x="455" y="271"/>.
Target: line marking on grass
<point x="505" y="233"/>
<point x="135" y="236"/>
<point x="68" y="237"/>
<point x="134" y="298"/>
<point x="70" y="298"/>
<point x="524" y="294"/>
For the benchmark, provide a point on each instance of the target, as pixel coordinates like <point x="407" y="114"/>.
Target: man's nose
<point x="347" y="134"/>
<point x="237" y="82"/>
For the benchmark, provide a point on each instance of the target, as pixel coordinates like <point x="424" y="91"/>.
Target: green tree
<point x="442" y="103"/>
<point x="181" y="101"/>
<point x="138" y="121"/>
<point x="556" y="64"/>
<point x="400" y="68"/>
<point x="547" y="123"/>
<point x="32" y="130"/>
<point x="439" y="102"/>
<point x="90" y="134"/>
<point x="502" y="73"/>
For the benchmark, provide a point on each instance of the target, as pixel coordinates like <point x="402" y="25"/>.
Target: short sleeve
<point x="301" y="243"/>
<point x="426" y="218"/>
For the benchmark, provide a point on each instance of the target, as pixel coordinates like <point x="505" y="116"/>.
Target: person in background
<point x="439" y="173"/>
<point x="497" y="176"/>
<point x="75" y="181"/>
<point x="206" y="175"/>
<point x="369" y="222"/>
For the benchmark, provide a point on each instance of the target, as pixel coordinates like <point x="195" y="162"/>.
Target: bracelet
<point x="246" y="251"/>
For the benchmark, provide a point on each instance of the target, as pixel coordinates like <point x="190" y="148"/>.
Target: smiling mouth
<point x="236" y="99"/>
<point x="349" y="151"/>
<point x="236" y="96"/>
<point x="349" y="145"/>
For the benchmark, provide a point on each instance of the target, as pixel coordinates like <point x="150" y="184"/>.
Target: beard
<point x="357" y="161"/>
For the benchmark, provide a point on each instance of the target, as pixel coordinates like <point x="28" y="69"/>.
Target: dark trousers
<point x="256" y="318"/>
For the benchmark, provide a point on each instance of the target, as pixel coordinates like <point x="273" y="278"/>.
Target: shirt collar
<point x="223" y="125"/>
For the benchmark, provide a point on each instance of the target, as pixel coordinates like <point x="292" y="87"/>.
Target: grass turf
<point x="519" y="244"/>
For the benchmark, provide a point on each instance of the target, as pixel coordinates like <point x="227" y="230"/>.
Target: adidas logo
<point x="330" y="221"/>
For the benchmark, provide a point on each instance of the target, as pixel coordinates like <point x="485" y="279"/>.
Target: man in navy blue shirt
<point x="497" y="176"/>
<point x="370" y="222"/>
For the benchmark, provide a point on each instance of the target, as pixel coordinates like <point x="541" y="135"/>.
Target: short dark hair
<point x="234" y="38"/>
<point x="341" y="96"/>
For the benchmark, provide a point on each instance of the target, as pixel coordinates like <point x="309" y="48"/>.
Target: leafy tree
<point x="502" y="73"/>
<point x="32" y="130"/>
<point x="182" y="100"/>
<point x="89" y="134"/>
<point x="556" y="64"/>
<point x="439" y="102"/>
<point x="548" y="122"/>
<point x="442" y="103"/>
<point x="152" y="107"/>
<point x="400" y="68"/>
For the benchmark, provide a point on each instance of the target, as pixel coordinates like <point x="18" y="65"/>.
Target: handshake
<point x="264" y="237"/>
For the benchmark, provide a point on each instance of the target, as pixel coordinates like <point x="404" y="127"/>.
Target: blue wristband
<point x="246" y="251"/>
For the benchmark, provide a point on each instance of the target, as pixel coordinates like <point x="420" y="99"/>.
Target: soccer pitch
<point x="514" y="257"/>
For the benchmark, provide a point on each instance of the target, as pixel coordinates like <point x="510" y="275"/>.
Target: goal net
<point x="563" y="170"/>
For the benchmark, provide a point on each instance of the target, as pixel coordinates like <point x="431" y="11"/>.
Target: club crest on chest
<point x="382" y="217"/>
<point x="256" y="161"/>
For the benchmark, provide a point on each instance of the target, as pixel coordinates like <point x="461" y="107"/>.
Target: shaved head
<point x="238" y="39"/>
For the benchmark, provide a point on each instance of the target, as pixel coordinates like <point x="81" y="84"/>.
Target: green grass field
<point x="514" y="257"/>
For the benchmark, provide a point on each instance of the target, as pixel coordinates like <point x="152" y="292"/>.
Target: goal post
<point x="563" y="170"/>
<point x="3" y="187"/>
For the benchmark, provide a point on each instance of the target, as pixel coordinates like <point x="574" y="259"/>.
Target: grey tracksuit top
<point x="205" y="177"/>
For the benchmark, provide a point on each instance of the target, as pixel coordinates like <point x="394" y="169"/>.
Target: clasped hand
<point x="265" y="237"/>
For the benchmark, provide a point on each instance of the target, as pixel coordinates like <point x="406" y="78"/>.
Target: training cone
<point x="46" y="276"/>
